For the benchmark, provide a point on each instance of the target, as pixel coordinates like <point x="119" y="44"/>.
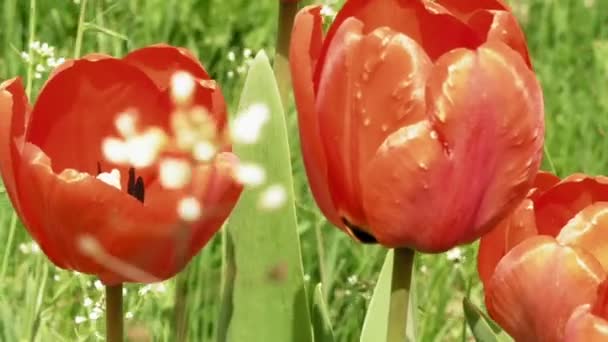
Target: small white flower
<point x="115" y="150"/>
<point x="175" y="173"/>
<point x="204" y="151"/>
<point x="126" y="123"/>
<point x="247" y="53"/>
<point x="80" y="319"/>
<point x="231" y="56"/>
<point x="98" y="285"/>
<point x="250" y="174"/>
<point x="87" y="302"/>
<point x="144" y="290"/>
<point x="129" y="315"/>
<point x="247" y="126"/>
<point x="143" y="149"/>
<point x="273" y="197"/>
<point x="353" y="279"/>
<point x="454" y="254"/>
<point x="182" y="87"/>
<point x="230" y="74"/>
<point x="189" y="209"/>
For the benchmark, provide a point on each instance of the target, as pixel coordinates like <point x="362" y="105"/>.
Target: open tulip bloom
<point x="544" y="267"/>
<point x="120" y="169"/>
<point x="421" y="121"/>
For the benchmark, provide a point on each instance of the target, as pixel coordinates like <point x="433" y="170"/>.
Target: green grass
<point x="38" y="302"/>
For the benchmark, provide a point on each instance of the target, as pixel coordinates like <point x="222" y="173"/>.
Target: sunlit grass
<point x="569" y="47"/>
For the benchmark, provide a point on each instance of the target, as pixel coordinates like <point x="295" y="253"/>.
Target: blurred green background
<point x="38" y="302"/>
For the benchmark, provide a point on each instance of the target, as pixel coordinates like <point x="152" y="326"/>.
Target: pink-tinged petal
<point x="494" y="245"/>
<point x="161" y="61"/>
<point x="588" y="230"/>
<point x="487" y="108"/>
<point x="562" y="202"/>
<point x="501" y="26"/>
<point x="372" y="85"/>
<point x="85" y="100"/>
<point x="487" y="124"/>
<point x="307" y="38"/>
<point x="538" y="284"/>
<point x="133" y="238"/>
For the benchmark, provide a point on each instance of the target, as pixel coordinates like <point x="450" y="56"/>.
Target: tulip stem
<point x="403" y="266"/>
<point x="180" y="306"/>
<point x="287" y="13"/>
<point x="114" y="316"/>
<point x="80" y="29"/>
<point x="30" y="42"/>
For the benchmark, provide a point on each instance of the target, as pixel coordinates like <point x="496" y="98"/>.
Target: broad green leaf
<point x="376" y="318"/>
<point x="321" y="323"/>
<point x="483" y="328"/>
<point x="266" y="299"/>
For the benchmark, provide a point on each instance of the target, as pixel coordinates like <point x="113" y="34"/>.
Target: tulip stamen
<point x="135" y="187"/>
<point x="358" y="233"/>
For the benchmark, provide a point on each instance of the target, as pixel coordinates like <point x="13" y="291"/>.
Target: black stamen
<point x="131" y="181"/>
<point x="98" y="168"/>
<point x="135" y="188"/>
<point x="360" y="234"/>
<point x="138" y="190"/>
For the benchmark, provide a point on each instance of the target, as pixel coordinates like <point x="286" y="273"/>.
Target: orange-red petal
<point x="78" y="107"/>
<point x="538" y="284"/>
<point x="588" y="230"/>
<point x="562" y="202"/>
<point x="584" y="326"/>
<point x="161" y="61"/>
<point x="307" y="38"/>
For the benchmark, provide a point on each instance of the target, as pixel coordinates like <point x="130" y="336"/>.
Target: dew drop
<point x="367" y="121"/>
<point x="434" y="135"/>
<point x="423" y="166"/>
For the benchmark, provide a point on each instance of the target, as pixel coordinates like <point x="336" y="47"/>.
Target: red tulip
<point x="421" y="121"/>
<point x="58" y="176"/>
<point x="544" y="264"/>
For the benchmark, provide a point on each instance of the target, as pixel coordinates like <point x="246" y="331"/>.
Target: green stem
<point x="81" y="28"/>
<point x="32" y="37"/>
<point x="114" y="316"/>
<point x="9" y="245"/>
<point x="403" y="266"/>
<point x="321" y="256"/>
<point x="287" y="13"/>
<point x="180" y="307"/>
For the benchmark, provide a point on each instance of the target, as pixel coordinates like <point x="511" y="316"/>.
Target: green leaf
<point x="375" y="326"/>
<point x="483" y="328"/>
<point x="264" y="293"/>
<point x="321" y="323"/>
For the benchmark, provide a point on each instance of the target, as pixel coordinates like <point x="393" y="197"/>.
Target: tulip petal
<point x="584" y="326"/>
<point x="14" y="114"/>
<point x="14" y="108"/>
<point x="486" y="118"/>
<point x="400" y="192"/>
<point x="307" y="37"/>
<point x="493" y="246"/>
<point x="501" y="26"/>
<point x="464" y="9"/>
<point x="589" y="230"/>
<point x="147" y="237"/>
<point x="161" y="61"/>
<point x="376" y="84"/>
<point x="487" y="108"/>
<point x="425" y="21"/>
<point x="77" y="109"/>
<point x="562" y="202"/>
<point x="518" y="226"/>
<point x="538" y="284"/>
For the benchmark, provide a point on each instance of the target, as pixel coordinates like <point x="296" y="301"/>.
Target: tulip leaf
<point x="375" y="326"/>
<point x="321" y="323"/>
<point x="265" y="291"/>
<point x="483" y="328"/>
